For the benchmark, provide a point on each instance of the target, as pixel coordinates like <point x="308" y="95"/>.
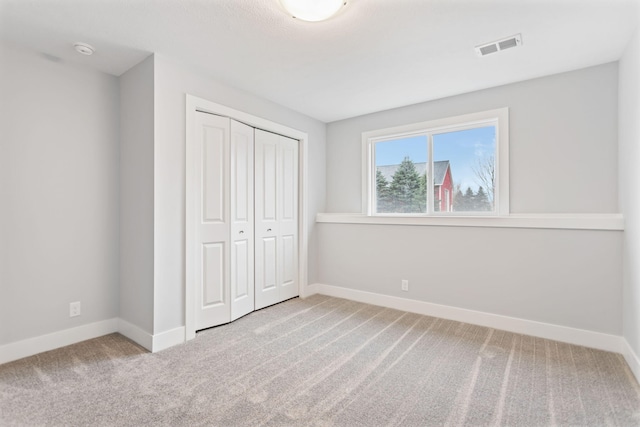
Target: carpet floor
<point x="324" y="361"/>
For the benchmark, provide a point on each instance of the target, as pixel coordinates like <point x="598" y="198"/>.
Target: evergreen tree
<point x="465" y="202"/>
<point x="405" y="188"/>
<point x="421" y="198"/>
<point x="383" y="193"/>
<point x="482" y="201"/>
<point x="469" y="194"/>
<point x="472" y="202"/>
<point x="459" y="201"/>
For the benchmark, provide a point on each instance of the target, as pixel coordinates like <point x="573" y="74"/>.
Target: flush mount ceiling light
<point x="83" y="48"/>
<point x="312" y="10"/>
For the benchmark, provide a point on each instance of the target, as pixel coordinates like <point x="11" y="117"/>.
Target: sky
<point x="461" y="148"/>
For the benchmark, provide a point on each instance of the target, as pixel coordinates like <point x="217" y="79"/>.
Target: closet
<point x="246" y="219"/>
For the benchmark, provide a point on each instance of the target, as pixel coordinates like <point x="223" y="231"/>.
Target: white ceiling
<point x="374" y="55"/>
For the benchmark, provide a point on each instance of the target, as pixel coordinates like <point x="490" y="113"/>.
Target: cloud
<point x="481" y="149"/>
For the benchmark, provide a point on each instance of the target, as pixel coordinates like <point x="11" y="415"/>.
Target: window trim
<point x="500" y="115"/>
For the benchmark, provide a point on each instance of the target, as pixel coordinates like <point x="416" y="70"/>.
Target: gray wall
<point x="563" y="141"/>
<point x="563" y="159"/>
<point x="172" y="82"/>
<point x="563" y="277"/>
<point x="58" y="194"/>
<point x="136" y="195"/>
<point x="630" y="187"/>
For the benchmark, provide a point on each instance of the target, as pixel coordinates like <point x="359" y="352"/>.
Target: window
<point x="455" y="166"/>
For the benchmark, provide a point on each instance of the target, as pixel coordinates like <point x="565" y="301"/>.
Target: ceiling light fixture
<point x="312" y="10"/>
<point x="83" y="48"/>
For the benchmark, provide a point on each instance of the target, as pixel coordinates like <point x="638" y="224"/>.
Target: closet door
<point x="242" y="254"/>
<point x="212" y="223"/>
<point x="276" y="221"/>
<point x="288" y="208"/>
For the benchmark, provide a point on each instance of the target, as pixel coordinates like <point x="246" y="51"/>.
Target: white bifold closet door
<point x="246" y="219"/>
<point x="242" y="230"/>
<point x="276" y="218"/>
<point x="224" y="261"/>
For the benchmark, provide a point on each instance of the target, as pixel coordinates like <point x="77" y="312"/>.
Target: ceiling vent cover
<point x="499" y="45"/>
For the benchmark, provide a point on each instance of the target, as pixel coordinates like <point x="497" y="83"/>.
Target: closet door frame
<point x="193" y="105"/>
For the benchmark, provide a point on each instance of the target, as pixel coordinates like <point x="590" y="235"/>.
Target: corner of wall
<point x="135" y="334"/>
<point x="632" y="359"/>
<point x="136" y="198"/>
<point x="629" y="201"/>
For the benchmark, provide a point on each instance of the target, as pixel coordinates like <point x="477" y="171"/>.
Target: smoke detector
<point x="499" y="45"/>
<point x="84" y="48"/>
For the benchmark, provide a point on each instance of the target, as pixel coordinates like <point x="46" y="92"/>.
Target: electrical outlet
<point x="405" y="285"/>
<point x="74" y="309"/>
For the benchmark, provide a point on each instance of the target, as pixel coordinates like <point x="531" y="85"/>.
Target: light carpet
<point x="324" y="361"/>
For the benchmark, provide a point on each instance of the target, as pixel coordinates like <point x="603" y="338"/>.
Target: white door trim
<point x="194" y="104"/>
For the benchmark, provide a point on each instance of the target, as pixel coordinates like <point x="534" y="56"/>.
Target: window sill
<point x="614" y="222"/>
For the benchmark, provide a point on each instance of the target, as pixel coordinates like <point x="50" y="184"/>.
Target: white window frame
<point x="499" y="117"/>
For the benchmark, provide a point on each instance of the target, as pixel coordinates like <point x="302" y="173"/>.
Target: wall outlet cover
<point x="74" y="309"/>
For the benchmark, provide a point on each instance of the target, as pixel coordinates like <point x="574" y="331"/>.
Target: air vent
<point x="499" y="45"/>
<point x="490" y="48"/>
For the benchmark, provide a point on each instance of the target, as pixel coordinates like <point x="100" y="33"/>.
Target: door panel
<point x="266" y="289"/>
<point x="288" y="249"/>
<point x="242" y="179"/>
<point x="269" y="255"/>
<point x="269" y="164"/>
<point x="289" y="220"/>
<point x="265" y="154"/>
<point x="242" y="223"/>
<point x="213" y="274"/>
<point x="276" y="222"/>
<point x="213" y="154"/>
<point x="212" y="299"/>
<point x="289" y="182"/>
<point x="239" y="271"/>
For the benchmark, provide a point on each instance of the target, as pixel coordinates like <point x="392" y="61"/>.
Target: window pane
<point x="401" y="183"/>
<point x="464" y="170"/>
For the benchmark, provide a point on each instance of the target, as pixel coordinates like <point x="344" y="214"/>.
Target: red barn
<point x="442" y="187"/>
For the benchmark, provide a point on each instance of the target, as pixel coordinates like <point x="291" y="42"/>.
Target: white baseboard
<point x="153" y="343"/>
<point x="29" y="347"/>
<point x="168" y="339"/>
<point x="632" y="359"/>
<point x="569" y="335"/>
<point x="309" y="290"/>
<point x="161" y="341"/>
<point x="135" y="334"/>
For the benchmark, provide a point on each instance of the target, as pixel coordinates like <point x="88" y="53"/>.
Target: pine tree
<point x="459" y="200"/>
<point x="421" y="198"/>
<point x="383" y="193"/>
<point x="482" y="201"/>
<point x="405" y="188"/>
<point x="469" y="194"/>
<point x="466" y="201"/>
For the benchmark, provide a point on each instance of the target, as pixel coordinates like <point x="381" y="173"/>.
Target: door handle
<point x="268" y="229"/>
<point x="241" y="232"/>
